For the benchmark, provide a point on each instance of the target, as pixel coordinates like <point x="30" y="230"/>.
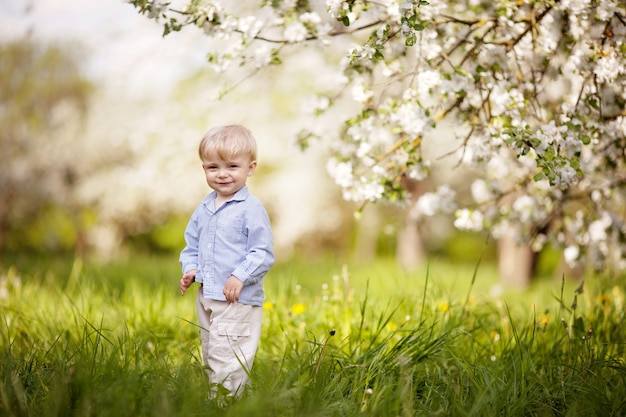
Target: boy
<point x="228" y="251"/>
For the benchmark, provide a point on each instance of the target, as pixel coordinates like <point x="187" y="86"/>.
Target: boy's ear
<point x="251" y="168"/>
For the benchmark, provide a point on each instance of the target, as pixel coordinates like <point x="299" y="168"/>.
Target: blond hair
<point x="226" y="142"/>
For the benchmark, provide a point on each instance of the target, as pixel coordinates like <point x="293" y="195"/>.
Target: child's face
<point x="227" y="177"/>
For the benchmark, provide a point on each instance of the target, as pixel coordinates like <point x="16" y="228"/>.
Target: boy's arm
<point x="185" y="282"/>
<point x="232" y="289"/>
<point x="260" y="256"/>
<point x="189" y="255"/>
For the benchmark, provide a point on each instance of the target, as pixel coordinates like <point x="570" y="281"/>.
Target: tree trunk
<point x="368" y="229"/>
<point x="410" y="250"/>
<point x="515" y="261"/>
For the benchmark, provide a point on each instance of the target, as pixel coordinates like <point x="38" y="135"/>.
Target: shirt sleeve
<point x="260" y="254"/>
<point x="189" y="255"/>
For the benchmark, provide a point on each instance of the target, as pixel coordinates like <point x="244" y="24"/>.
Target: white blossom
<point x="427" y="204"/>
<point x="360" y="92"/>
<point x="526" y="208"/>
<point x="607" y="9"/>
<point x="364" y="149"/>
<point x="362" y="52"/>
<point x="295" y="32"/>
<point x="310" y="17"/>
<point x="228" y="26"/>
<point x="431" y="203"/>
<point x="250" y="26"/>
<point x="481" y="192"/>
<point x="157" y="7"/>
<point x="334" y="7"/>
<point x="468" y="220"/>
<point x="608" y="67"/>
<point x="419" y="172"/>
<point x="428" y="44"/>
<point x="262" y="56"/>
<point x="571" y="254"/>
<point x="411" y="118"/>
<point x="427" y="80"/>
<point x="341" y="172"/>
<point x="598" y="228"/>
<point x="529" y="160"/>
<point x="567" y="176"/>
<point x="315" y="104"/>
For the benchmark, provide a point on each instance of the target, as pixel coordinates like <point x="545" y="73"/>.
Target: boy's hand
<point x="232" y="289"/>
<point x="185" y="282"/>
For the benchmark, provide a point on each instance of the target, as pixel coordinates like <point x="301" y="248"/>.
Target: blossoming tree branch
<point x="535" y="90"/>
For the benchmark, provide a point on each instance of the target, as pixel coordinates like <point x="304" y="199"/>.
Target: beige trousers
<point x="230" y="336"/>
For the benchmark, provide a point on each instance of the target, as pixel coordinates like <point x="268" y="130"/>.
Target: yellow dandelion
<point x="392" y="326"/>
<point x="543" y="319"/>
<point x="268" y="305"/>
<point x="443" y="306"/>
<point x="298" y="309"/>
<point x="604" y="299"/>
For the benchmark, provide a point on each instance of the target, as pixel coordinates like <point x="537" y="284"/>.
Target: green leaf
<point x="538" y="176"/>
<point x="585" y="139"/>
<point x="552" y="178"/>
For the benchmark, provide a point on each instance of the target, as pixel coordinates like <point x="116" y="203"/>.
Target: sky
<point x="124" y="50"/>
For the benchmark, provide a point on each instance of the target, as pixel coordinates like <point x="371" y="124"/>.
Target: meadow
<point x="83" y="338"/>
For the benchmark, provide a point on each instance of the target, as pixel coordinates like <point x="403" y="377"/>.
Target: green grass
<point x="116" y="339"/>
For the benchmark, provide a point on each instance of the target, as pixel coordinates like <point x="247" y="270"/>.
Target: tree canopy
<point x="535" y="91"/>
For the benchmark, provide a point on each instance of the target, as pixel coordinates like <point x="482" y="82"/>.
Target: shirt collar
<point x="240" y="195"/>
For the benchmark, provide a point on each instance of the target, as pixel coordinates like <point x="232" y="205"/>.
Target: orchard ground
<point x="84" y="338"/>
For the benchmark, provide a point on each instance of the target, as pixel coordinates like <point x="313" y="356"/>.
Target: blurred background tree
<point x="99" y="169"/>
<point x="42" y="92"/>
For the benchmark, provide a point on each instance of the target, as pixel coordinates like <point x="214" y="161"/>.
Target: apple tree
<point x="535" y="92"/>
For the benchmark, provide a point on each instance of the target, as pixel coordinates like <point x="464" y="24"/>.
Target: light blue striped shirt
<point x="236" y="239"/>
